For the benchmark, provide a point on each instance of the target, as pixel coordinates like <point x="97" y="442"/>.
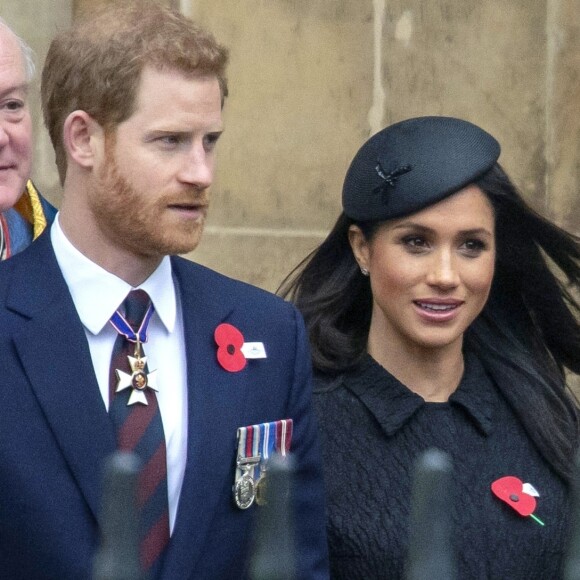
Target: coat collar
<point x="393" y="404"/>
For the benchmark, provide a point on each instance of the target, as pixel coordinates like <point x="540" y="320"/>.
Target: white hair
<point x="26" y="51"/>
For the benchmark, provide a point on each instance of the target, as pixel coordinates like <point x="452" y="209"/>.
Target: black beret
<point x="413" y="164"/>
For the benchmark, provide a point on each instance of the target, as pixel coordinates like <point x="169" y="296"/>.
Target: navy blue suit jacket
<point x="55" y="431"/>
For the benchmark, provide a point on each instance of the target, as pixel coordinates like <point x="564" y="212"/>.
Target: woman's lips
<point x="438" y="310"/>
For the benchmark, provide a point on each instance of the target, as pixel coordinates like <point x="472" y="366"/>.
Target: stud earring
<point x="364" y="271"/>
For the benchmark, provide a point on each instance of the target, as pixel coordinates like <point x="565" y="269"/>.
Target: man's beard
<point x="135" y="222"/>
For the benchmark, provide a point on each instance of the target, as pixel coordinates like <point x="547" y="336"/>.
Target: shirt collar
<point x="393" y="404"/>
<point x="97" y="293"/>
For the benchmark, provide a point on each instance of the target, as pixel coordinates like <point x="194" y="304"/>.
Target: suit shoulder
<point x="226" y="287"/>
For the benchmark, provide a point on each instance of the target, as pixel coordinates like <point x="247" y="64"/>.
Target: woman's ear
<point x="83" y="139"/>
<point x="360" y="247"/>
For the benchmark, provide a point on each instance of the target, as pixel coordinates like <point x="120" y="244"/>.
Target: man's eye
<point x="211" y="140"/>
<point x="14" y="105"/>
<point x="170" y="139"/>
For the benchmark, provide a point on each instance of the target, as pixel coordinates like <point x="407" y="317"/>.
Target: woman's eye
<point x="415" y="242"/>
<point x="474" y="247"/>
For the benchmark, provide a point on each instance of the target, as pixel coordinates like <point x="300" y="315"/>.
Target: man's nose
<point x="4" y="137"/>
<point x="197" y="168"/>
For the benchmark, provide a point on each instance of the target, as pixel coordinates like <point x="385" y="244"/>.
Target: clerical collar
<point x="2" y="238"/>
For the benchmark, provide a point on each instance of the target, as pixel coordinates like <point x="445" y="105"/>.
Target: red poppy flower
<point x="510" y="490"/>
<point x="230" y="341"/>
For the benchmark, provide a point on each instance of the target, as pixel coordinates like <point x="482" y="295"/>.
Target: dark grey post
<point x="431" y="554"/>
<point x="118" y="556"/>
<point x="273" y="553"/>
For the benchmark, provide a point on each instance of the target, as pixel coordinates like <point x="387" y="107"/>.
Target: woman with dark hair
<point x="441" y="313"/>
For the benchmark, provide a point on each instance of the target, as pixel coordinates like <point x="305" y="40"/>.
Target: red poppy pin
<point x="518" y="495"/>
<point x="230" y="342"/>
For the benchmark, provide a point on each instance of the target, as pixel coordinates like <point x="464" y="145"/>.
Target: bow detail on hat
<point x="389" y="179"/>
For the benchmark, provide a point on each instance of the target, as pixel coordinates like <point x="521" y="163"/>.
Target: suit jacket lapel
<point x="53" y="349"/>
<point x="215" y="400"/>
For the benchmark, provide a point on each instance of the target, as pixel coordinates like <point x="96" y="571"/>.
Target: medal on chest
<point x="139" y="379"/>
<point x="256" y="444"/>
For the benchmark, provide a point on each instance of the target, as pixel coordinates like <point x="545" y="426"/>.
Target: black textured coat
<point x="373" y="428"/>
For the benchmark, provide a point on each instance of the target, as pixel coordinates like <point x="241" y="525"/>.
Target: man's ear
<point x="83" y="139"/>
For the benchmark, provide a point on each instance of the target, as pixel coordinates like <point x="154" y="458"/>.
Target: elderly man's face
<point x="15" y="124"/>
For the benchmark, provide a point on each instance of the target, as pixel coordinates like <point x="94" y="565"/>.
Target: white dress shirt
<point x="96" y="294"/>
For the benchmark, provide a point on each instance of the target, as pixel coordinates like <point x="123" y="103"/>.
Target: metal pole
<point x="118" y="556"/>
<point x="431" y="554"/>
<point x="274" y="550"/>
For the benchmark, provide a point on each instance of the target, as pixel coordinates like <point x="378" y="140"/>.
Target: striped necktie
<point x="135" y="414"/>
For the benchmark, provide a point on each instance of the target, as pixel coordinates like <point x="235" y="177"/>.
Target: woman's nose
<point x="443" y="271"/>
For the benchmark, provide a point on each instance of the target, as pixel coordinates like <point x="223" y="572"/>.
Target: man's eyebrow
<point x="23" y="87"/>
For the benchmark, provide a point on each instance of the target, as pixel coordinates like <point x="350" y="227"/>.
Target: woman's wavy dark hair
<point x="527" y="336"/>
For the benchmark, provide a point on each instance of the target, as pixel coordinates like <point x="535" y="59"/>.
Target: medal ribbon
<point x="246" y="444"/>
<point x="250" y="441"/>
<point x="121" y="325"/>
<point x="283" y="436"/>
<point x="268" y="431"/>
<point x="262" y="440"/>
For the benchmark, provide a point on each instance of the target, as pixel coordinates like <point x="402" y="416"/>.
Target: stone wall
<point x="310" y="80"/>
